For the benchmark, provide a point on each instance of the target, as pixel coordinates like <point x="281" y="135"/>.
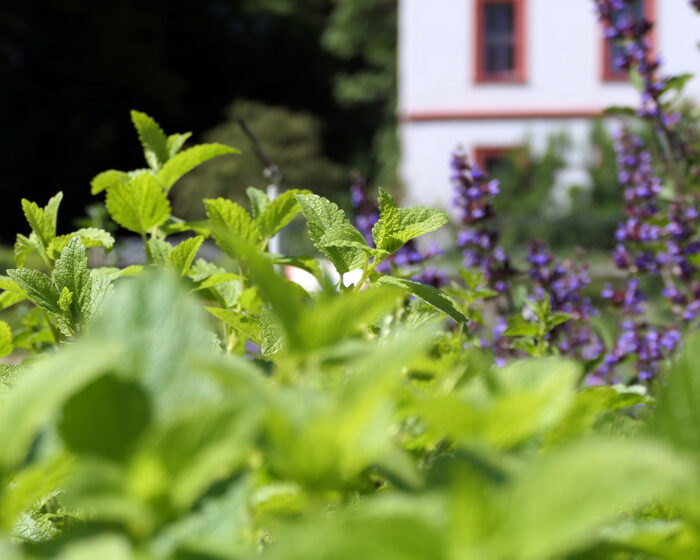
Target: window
<point x="500" y="41"/>
<point x="611" y="50"/>
<point x="493" y="160"/>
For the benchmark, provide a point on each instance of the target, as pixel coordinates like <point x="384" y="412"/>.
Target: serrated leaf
<point x="387" y="225"/>
<point x="90" y="237"/>
<point x="227" y="217"/>
<point x="152" y="138"/>
<point x="176" y="141"/>
<point x="5" y="339"/>
<point x="88" y="288"/>
<point x="242" y="323"/>
<point x="51" y="210"/>
<point x="181" y="257"/>
<point x="25" y="246"/>
<point x="185" y="161"/>
<point x="419" y="220"/>
<point x="159" y="250"/>
<point x="347" y="235"/>
<point x="437" y="298"/>
<point x="39" y="288"/>
<point x="140" y="205"/>
<point x="107" y="179"/>
<point x="41" y="223"/>
<point x="322" y="217"/>
<point x="270" y="337"/>
<point x="71" y="272"/>
<point x="91" y="300"/>
<point x="64" y="302"/>
<point x="278" y="212"/>
<point x="258" y="201"/>
<point x="227" y="292"/>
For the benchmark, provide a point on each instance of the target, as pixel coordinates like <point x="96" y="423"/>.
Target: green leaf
<point x="87" y="288"/>
<point x="419" y="220"/>
<point x="105" y="418"/>
<point x="218" y="279"/>
<point x="176" y="141"/>
<point x="678" y="411"/>
<point x="90" y="237"/>
<point x="185" y="161"/>
<point x="12" y="293"/>
<point x="278" y="212"/>
<point x="278" y="292"/>
<point x="227" y="217"/>
<point x="152" y="138"/>
<point x="64" y="302"/>
<point x="555" y="319"/>
<point x="387" y="226"/>
<point x="346" y="235"/>
<point x="43" y="220"/>
<point x="140" y="205"/>
<point x="25" y="246"/>
<point x="242" y="323"/>
<point x="40" y="392"/>
<point x="71" y="270"/>
<point x="159" y="249"/>
<point x="39" y="288"/>
<point x="323" y="217"/>
<point x="338" y="317"/>
<point x="5" y="339"/>
<point x="304" y="262"/>
<point x="270" y="336"/>
<point x="558" y="502"/>
<point x="181" y="257"/>
<point x="396" y="225"/>
<point x="517" y="325"/>
<point x="107" y="179"/>
<point x="438" y="299"/>
<point x="258" y="201"/>
<point x="677" y="82"/>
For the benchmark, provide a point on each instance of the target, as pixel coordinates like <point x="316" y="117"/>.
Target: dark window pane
<point x="499" y="37"/>
<point x="495" y="164"/>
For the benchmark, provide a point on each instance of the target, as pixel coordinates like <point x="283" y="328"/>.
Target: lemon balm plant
<point x="364" y="421"/>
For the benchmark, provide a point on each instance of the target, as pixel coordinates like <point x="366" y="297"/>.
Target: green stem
<point x="365" y="274"/>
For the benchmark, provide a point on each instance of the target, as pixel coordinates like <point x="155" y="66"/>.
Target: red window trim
<point x="609" y="74"/>
<point x="518" y="74"/>
<point x="499" y="114"/>
<point x="482" y="153"/>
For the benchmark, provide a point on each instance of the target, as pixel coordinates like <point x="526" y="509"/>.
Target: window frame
<point x="518" y="75"/>
<point x="608" y="73"/>
<point x="482" y="153"/>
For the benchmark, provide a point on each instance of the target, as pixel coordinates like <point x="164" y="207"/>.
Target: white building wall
<point x="563" y="61"/>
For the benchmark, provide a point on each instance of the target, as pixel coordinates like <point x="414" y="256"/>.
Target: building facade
<point x="492" y="74"/>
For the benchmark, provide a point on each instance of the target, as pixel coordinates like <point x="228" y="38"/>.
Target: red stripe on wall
<point x="485" y="114"/>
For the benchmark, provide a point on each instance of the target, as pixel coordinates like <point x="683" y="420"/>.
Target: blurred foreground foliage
<point x="181" y="410"/>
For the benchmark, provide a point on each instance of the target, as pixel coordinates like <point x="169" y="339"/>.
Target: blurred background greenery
<point x="314" y="79"/>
